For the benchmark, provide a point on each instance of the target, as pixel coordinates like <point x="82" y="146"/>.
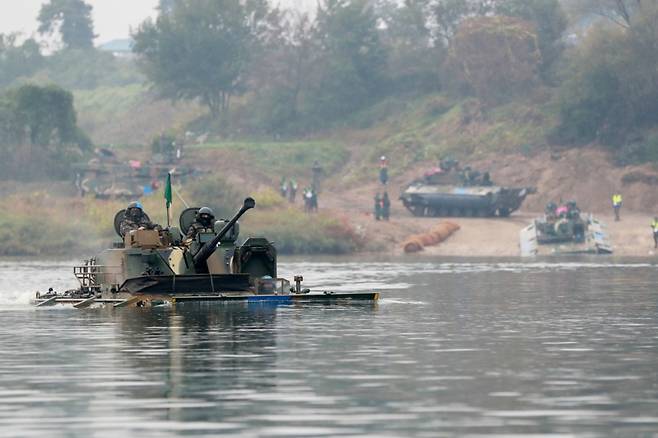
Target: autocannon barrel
<point x="209" y="248"/>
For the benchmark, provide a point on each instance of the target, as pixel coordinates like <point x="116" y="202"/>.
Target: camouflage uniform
<point x="386" y="207"/>
<point x="196" y="228"/>
<point x="205" y="218"/>
<point x="136" y="222"/>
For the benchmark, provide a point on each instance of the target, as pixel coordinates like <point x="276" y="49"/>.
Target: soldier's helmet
<point x="134" y="209"/>
<point x="205" y="216"/>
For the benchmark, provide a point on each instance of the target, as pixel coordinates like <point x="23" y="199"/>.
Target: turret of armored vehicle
<point x="564" y="230"/>
<point x="108" y="177"/>
<point x="152" y="266"/>
<point x="450" y="191"/>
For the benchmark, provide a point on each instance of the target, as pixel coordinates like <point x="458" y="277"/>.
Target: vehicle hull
<point x="454" y="201"/>
<point x="151" y="290"/>
<point x="145" y="300"/>
<point x="595" y="241"/>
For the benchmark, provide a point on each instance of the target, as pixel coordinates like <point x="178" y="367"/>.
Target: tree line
<point x="292" y="72"/>
<point x="304" y="71"/>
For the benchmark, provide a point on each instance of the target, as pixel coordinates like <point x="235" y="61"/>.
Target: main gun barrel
<point x="209" y="248"/>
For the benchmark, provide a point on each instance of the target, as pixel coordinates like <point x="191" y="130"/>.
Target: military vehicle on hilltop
<point x="449" y="191"/>
<point x="156" y="266"/>
<point x="564" y="230"/>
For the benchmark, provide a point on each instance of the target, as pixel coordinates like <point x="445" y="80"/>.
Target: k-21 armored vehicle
<point x="564" y="230"/>
<point x="151" y="266"/>
<point x="450" y="191"/>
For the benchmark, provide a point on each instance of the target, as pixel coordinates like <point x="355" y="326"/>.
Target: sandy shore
<point x="500" y="237"/>
<point x="479" y="237"/>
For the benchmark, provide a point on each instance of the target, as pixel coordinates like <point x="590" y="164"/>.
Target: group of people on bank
<point x="288" y="189"/>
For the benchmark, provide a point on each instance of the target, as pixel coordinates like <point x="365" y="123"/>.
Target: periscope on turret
<point x="152" y="265"/>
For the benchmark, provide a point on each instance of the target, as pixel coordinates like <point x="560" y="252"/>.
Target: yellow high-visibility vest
<point x="616" y="199"/>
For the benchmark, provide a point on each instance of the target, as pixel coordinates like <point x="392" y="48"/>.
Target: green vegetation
<point x="294" y="232"/>
<point x="283" y="159"/>
<point x="611" y="94"/>
<point x="73" y="227"/>
<point x="16" y="59"/>
<point x="71" y="19"/>
<point x="33" y="224"/>
<point x="39" y="133"/>
<point x="27" y="235"/>
<point x="199" y="49"/>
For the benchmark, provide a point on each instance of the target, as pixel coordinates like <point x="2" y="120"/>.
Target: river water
<point x="468" y="348"/>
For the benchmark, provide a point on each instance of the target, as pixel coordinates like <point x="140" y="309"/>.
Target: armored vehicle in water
<point x="564" y="230"/>
<point x="449" y="190"/>
<point x="157" y="266"/>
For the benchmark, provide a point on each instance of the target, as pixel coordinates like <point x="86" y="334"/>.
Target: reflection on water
<point x="469" y="348"/>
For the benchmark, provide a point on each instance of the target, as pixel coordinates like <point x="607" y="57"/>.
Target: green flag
<point x="167" y="195"/>
<point x="167" y="192"/>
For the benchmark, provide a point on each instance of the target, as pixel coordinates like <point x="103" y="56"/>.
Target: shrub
<point x="217" y="193"/>
<point x="294" y="232"/>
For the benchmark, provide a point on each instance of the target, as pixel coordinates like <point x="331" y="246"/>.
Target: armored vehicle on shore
<point x="108" y="177"/>
<point x="153" y="266"/>
<point x="564" y="230"/>
<point x="450" y="191"/>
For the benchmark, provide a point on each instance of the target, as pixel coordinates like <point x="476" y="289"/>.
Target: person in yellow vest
<point x="616" y="205"/>
<point x="654" y="228"/>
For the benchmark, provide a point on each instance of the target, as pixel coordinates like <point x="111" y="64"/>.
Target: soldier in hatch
<point x="134" y="219"/>
<point x="204" y="223"/>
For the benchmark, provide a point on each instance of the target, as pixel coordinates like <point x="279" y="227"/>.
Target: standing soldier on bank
<point x="386" y="207"/>
<point x="283" y="188"/>
<point x="616" y="205"/>
<point x="383" y="170"/>
<point x="316" y="172"/>
<point x="378" y="206"/>
<point x="308" y="199"/>
<point x="654" y="228"/>
<point x="292" y="190"/>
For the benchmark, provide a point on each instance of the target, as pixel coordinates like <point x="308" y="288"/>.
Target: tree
<point x="39" y="135"/>
<point x="46" y="114"/>
<point x="612" y="86"/>
<point x="449" y="14"/>
<point x="620" y="12"/>
<point x="351" y="62"/>
<point x="17" y="60"/>
<point x="498" y="57"/>
<point x="166" y="6"/>
<point x="199" y="50"/>
<point x="549" y="19"/>
<point x="414" y="55"/>
<point x="280" y="73"/>
<point x="71" y="19"/>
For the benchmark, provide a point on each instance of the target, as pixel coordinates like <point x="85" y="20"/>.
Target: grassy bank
<point x="43" y="224"/>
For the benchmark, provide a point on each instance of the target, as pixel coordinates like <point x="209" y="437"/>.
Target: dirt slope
<point x="584" y="175"/>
